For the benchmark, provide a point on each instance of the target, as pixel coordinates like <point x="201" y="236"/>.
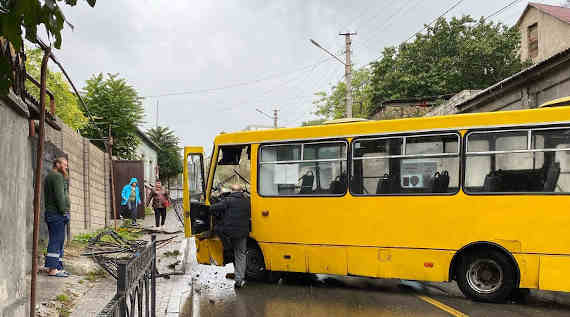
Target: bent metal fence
<point x="136" y="278"/>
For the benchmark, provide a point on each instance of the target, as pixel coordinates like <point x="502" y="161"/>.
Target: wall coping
<point x="16" y="103"/>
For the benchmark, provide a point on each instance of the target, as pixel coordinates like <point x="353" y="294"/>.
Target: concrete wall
<point x="89" y="192"/>
<point x="16" y="201"/>
<point x="535" y="86"/>
<point x="552" y="34"/>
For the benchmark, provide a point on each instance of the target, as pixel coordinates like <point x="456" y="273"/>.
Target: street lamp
<point x="347" y="70"/>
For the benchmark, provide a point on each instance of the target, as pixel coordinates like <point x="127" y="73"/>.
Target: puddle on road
<point x="301" y="295"/>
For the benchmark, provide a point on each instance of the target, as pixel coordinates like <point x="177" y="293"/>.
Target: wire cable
<point x="241" y="84"/>
<point x="441" y="15"/>
<point x="501" y="9"/>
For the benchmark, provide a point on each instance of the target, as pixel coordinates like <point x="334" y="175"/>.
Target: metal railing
<point x="137" y="277"/>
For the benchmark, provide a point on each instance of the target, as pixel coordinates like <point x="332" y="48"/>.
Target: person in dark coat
<point x="235" y="213"/>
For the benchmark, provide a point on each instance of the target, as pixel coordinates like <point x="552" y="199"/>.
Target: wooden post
<point x="38" y="182"/>
<point x="113" y="198"/>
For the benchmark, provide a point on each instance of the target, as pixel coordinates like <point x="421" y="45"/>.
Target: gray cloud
<point x="182" y="45"/>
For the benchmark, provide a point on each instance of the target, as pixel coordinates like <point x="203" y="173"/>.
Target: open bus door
<point x="197" y="220"/>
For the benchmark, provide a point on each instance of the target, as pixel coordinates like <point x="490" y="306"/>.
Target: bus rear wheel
<point x="487" y="276"/>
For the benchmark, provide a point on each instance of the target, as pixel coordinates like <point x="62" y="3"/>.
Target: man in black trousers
<point x="235" y="211"/>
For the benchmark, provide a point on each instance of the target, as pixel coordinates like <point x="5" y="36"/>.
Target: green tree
<point x="451" y="56"/>
<point x="17" y="16"/>
<point x="313" y="122"/>
<point x="169" y="160"/>
<point x="111" y="100"/>
<point x="67" y="106"/>
<point x="333" y="105"/>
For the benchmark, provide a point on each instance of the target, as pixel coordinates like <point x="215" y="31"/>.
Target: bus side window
<point x="505" y="161"/>
<point x="428" y="164"/>
<point x="312" y="168"/>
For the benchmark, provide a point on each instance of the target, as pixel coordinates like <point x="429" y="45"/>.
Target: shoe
<point x="59" y="274"/>
<point x="239" y="284"/>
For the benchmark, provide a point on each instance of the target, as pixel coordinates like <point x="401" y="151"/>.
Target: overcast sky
<point x="257" y="51"/>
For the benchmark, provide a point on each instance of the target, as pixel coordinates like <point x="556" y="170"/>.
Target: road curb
<point x="183" y="286"/>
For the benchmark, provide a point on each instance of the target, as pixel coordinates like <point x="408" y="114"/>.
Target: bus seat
<point x="440" y="182"/>
<point x="383" y="186"/>
<point x="492" y="182"/>
<point x="552" y="176"/>
<point x="307" y="183"/>
<point x="338" y="186"/>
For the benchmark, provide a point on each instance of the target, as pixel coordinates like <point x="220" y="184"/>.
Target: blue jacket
<point x="126" y="193"/>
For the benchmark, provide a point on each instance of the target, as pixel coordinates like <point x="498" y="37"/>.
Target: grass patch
<point x="171" y="253"/>
<point x="125" y="233"/>
<point x="93" y="276"/>
<point x="63" y="298"/>
<point x="63" y="312"/>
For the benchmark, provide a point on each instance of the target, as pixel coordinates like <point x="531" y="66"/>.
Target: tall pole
<point x="348" y="74"/>
<point x="275" y="117"/>
<point x="156" y="125"/>
<point x="110" y="150"/>
<point x="38" y="181"/>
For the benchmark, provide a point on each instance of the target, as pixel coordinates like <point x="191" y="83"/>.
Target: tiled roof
<point x="561" y="13"/>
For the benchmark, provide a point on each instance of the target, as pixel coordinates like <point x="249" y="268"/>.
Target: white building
<point x="147" y="151"/>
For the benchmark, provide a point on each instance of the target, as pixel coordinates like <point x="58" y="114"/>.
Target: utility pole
<point x="347" y="70"/>
<point x="156" y="125"/>
<point x="275" y="117"/>
<point x="348" y="74"/>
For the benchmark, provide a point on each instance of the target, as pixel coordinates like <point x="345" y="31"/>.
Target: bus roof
<point x="449" y="122"/>
<point x="564" y="101"/>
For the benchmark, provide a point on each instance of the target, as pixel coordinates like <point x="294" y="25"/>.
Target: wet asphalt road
<point x="213" y="294"/>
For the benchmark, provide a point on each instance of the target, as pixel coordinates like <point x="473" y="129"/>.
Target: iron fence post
<point x="122" y="288"/>
<point x="153" y="278"/>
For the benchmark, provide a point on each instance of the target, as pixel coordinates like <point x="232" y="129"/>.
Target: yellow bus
<point x="481" y="199"/>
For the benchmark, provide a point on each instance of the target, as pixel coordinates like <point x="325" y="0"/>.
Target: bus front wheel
<point x="486" y="275"/>
<point x="255" y="266"/>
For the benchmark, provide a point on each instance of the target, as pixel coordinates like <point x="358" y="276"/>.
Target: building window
<point x="303" y="169"/>
<point x="532" y="34"/>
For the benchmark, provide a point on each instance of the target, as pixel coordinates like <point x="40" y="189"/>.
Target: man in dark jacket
<point x="235" y="211"/>
<point x="57" y="207"/>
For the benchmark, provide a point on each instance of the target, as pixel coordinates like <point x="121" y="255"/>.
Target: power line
<point x="441" y="15"/>
<point x="206" y="90"/>
<point x="389" y="21"/>
<point x="501" y="9"/>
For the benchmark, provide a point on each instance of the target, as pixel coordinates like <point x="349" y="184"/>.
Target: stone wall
<point x="407" y="110"/>
<point x="449" y="107"/>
